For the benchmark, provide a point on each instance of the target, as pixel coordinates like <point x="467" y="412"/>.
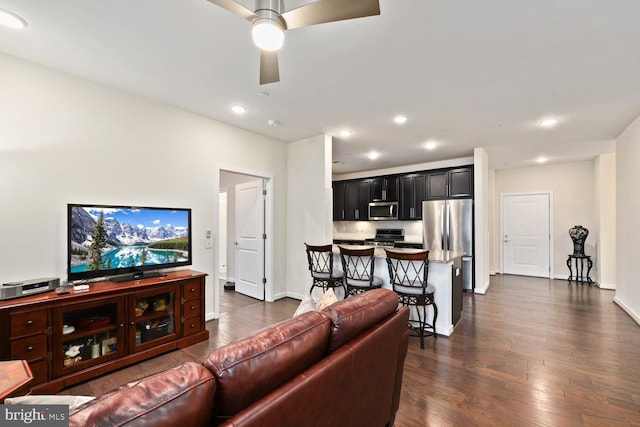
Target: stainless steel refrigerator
<point x="448" y="225"/>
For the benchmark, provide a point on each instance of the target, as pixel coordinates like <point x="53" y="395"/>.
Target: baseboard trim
<point x="482" y="290"/>
<point x="627" y="310"/>
<point x="280" y="296"/>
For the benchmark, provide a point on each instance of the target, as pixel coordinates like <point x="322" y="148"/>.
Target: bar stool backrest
<point x="320" y="258"/>
<point x="358" y="264"/>
<point x="408" y="269"/>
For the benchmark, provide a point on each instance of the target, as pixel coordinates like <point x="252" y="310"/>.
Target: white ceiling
<point x="476" y="73"/>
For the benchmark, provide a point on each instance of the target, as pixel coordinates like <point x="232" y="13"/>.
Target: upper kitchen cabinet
<point x="450" y="184"/>
<point x="412" y="195"/>
<point x="351" y="200"/>
<point x="339" y="200"/>
<point x="384" y="189"/>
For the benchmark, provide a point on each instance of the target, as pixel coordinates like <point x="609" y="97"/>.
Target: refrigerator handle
<point x="448" y="230"/>
<point x="443" y="230"/>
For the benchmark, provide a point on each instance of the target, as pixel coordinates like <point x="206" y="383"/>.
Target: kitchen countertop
<point x="434" y="256"/>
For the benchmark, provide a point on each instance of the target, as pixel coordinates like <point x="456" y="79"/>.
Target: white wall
<point x="494" y="248"/>
<point x="65" y="140"/>
<point x="481" y="204"/>
<point x="572" y="185"/>
<point x="627" y="230"/>
<point x="309" y="207"/>
<point x="605" y="176"/>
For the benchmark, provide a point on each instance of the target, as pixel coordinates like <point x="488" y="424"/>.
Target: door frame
<point x="551" y="236"/>
<point x="269" y="243"/>
<point x="222" y="243"/>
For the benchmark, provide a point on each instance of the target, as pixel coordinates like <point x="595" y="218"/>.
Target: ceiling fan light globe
<point x="267" y="34"/>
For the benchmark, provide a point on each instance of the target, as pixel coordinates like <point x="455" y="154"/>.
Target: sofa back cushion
<point x="178" y="396"/>
<point x="356" y="314"/>
<point x="250" y="368"/>
<point x="359" y="384"/>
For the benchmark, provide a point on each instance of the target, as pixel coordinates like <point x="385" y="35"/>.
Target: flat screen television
<point x="126" y="243"/>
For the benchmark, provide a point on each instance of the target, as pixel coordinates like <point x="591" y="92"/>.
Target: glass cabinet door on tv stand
<point x="152" y="316"/>
<point x="87" y="334"/>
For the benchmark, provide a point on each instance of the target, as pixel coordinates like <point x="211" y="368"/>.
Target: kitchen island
<point x="445" y="275"/>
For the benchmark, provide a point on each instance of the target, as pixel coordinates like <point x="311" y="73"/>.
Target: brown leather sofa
<point x="339" y="367"/>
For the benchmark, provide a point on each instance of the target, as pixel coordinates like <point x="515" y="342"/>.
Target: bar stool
<point x="408" y="272"/>
<point x="320" y="259"/>
<point x="358" y="266"/>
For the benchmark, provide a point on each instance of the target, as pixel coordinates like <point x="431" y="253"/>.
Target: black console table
<point x="579" y="264"/>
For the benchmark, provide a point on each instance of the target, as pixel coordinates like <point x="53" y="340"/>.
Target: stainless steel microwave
<point x="383" y="210"/>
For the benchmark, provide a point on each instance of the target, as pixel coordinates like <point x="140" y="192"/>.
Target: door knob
<point x="235" y="243"/>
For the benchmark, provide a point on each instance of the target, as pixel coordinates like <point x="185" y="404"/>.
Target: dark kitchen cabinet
<point x="351" y="200"/>
<point x="358" y="200"/>
<point x="384" y="189"/>
<point x="412" y="195"/>
<point x="339" y="200"/>
<point x="450" y="184"/>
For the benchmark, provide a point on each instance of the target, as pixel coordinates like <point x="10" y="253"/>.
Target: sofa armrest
<point x="179" y="396"/>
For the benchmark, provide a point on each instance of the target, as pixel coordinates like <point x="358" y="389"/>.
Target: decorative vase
<point x="578" y="234"/>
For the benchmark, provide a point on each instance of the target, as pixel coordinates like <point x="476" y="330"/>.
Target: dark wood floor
<point x="531" y="352"/>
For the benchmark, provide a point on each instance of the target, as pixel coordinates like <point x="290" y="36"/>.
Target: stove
<point x="386" y="237"/>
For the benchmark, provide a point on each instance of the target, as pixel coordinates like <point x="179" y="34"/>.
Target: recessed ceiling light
<point x="400" y="119"/>
<point x="11" y="20"/>
<point x="273" y="123"/>
<point x="373" y="155"/>
<point x="548" y="123"/>
<point x="430" y="145"/>
<point x="541" y="159"/>
<point x="239" y="109"/>
<point x="346" y="133"/>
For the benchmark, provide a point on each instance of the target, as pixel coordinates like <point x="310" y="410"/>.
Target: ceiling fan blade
<point x="235" y="8"/>
<point x="330" y="11"/>
<point x="269" y="72"/>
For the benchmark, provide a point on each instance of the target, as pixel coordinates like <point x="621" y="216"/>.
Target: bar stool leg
<point x="435" y="317"/>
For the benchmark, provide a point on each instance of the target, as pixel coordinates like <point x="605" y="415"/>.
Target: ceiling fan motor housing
<point x="270" y="10"/>
<point x="275" y="5"/>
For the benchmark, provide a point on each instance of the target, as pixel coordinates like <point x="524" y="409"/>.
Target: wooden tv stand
<point x="74" y="337"/>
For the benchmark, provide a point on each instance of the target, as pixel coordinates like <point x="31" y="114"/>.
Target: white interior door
<point x="526" y="238"/>
<point x="249" y="244"/>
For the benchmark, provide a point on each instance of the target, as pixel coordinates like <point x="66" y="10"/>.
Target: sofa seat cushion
<point x="249" y="368"/>
<point x="178" y="396"/>
<point x="356" y="314"/>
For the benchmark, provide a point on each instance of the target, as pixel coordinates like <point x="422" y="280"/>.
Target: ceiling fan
<point x="269" y="22"/>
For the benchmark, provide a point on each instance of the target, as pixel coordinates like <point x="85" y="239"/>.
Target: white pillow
<point x="327" y="299"/>
<point x="307" y="304"/>
<point x="49" y="399"/>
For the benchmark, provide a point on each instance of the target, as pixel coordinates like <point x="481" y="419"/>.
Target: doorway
<point x="248" y="233"/>
<point x="526" y="234"/>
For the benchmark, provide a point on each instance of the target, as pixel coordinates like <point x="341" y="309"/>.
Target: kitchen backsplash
<point x="358" y="230"/>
